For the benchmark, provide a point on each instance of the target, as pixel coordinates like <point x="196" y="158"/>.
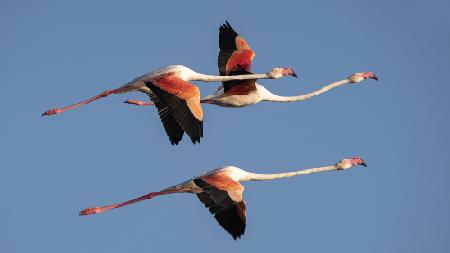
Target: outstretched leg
<point x="142" y="103"/>
<point x="101" y="209"/>
<point x="101" y="95"/>
<point x="137" y="102"/>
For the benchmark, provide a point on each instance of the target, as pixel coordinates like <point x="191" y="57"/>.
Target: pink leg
<point x="101" y="209"/>
<point x="141" y="103"/>
<point x="101" y="95"/>
<point x="207" y="101"/>
<point x="137" y="102"/>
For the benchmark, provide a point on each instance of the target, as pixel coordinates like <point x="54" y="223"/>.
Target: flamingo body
<point x="177" y="100"/>
<point x="137" y="83"/>
<point x="239" y="96"/>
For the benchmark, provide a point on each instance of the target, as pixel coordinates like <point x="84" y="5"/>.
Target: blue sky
<point x="54" y="53"/>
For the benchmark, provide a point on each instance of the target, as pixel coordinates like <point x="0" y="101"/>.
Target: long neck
<point x="277" y="98"/>
<point x="210" y="78"/>
<point x="259" y="177"/>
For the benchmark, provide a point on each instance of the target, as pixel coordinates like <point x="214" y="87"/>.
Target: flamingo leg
<point x="101" y="95"/>
<point x="142" y="103"/>
<point x="137" y="102"/>
<point x="101" y="209"/>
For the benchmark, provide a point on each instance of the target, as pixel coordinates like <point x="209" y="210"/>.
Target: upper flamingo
<point x="177" y="100"/>
<point x="235" y="58"/>
<point x="221" y="192"/>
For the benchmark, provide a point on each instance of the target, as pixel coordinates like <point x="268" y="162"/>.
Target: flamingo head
<point x="360" y="76"/>
<point x="276" y="73"/>
<point x="350" y="162"/>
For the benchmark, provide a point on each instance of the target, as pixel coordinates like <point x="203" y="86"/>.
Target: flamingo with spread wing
<point x="221" y="192"/>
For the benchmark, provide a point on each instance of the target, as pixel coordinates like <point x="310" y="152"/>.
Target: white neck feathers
<point x="268" y="96"/>
<point x="259" y="177"/>
<point x="211" y="78"/>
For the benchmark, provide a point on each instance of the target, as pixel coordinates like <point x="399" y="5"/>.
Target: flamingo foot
<point x="52" y="112"/>
<point x="90" y="210"/>
<point x="137" y="102"/>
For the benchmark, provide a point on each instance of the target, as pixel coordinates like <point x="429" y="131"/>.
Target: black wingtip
<point x="225" y="25"/>
<point x="174" y="141"/>
<point x="238" y="235"/>
<point x="195" y="141"/>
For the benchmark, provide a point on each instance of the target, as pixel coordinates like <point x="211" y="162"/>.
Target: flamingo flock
<point x="178" y="103"/>
<point x="235" y="58"/>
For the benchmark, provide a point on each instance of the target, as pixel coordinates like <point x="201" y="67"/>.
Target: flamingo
<point x="177" y="100"/>
<point x="221" y="192"/>
<point x="225" y="99"/>
<point x="235" y="58"/>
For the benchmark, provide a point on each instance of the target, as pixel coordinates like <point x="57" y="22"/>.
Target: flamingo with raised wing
<point x="235" y="58"/>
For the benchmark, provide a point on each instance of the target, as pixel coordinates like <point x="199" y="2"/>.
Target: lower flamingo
<point x="221" y="192"/>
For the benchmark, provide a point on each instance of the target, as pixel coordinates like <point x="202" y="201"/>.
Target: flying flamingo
<point x="235" y="58"/>
<point x="220" y="191"/>
<point x="177" y="100"/>
<point x="224" y="99"/>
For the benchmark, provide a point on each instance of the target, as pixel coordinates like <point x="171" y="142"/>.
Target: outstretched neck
<point x="259" y="177"/>
<point x="211" y="78"/>
<point x="276" y="98"/>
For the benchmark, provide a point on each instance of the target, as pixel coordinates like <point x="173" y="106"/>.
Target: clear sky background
<point x="54" y="53"/>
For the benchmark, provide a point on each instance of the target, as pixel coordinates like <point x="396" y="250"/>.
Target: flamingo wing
<point x="173" y="129"/>
<point x="235" y="58"/>
<point x="234" y="51"/>
<point x="223" y="198"/>
<point x="240" y="87"/>
<point x="178" y="104"/>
